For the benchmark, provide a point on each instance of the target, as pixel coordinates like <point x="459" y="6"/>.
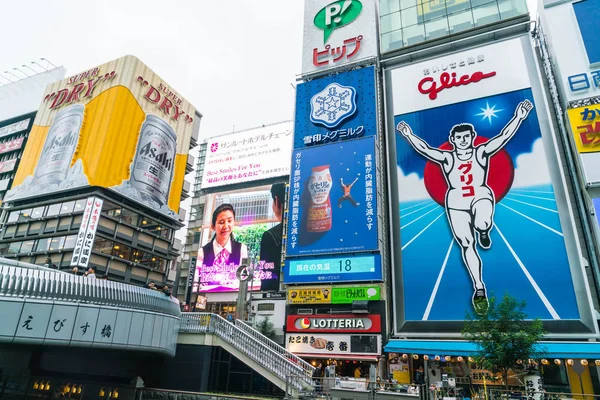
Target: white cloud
<point x="531" y="168"/>
<point x="411" y="187"/>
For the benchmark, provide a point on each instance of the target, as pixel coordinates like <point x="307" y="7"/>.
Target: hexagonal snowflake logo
<point x="332" y="105"/>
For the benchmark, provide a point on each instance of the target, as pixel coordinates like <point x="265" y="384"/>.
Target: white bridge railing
<point x="258" y="347"/>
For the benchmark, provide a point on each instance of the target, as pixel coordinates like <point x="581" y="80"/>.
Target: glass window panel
<point x="410" y="17"/>
<point x="56" y="243"/>
<point x="35" y="227"/>
<point x="21" y="229"/>
<point x="27" y="246"/>
<point x="13" y="217"/>
<point x="51" y="225"/>
<point x="436" y="28"/>
<point x="64" y="224"/>
<point x="38" y="212"/>
<point x="432" y="9"/>
<point x="460" y="21"/>
<point x="147" y="223"/>
<point x="25" y="215"/>
<point x="512" y="8"/>
<point x="129" y="216"/>
<point x="454" y="6"/>
<point x="477" y="3"/>
<point x="9" y="231"/>
<point x="111" y="209"/>
<point x="165" y="232"/>
<point x="103" y="246"/>
<point x="43" y="244"/>
<point x="67" y="207"/>
<point x="404" y="4"/>
<point x="53" y="210"/>
<point x="4" y="248"/>
<point x="122" y="251"/>
<point x="486" y="14"/>
<point x="414" y="34"/>
<point x="390" y="22"/>
<point x="80" y="205"/>
<point x="14" y="247"/>
<point x="70" y="241"/>
<point x="385" y="7"/>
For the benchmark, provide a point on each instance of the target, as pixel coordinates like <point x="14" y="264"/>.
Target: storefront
<point x="449" y="368"/>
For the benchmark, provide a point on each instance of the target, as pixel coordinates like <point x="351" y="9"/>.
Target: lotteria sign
<point x="342" y="323"/>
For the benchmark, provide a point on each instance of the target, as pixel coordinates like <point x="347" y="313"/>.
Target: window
<point x="13" y="217"/>
<point x="27" y="246"/>
<point x="9" y="231"/>
<point x="38" y="212"/>
<point x="36" y="227"/>
<point x="25" y="215"/>
<point x="80" y="205"/>
<point x="43" y="244"/>
<point x="56" y="243"/>
<point x="129" y="216"/>
<point x="67" y="207"/>
<point x="21" y="230"/>
<point x="122" y="251"/>
<point x="51" y="226"/>
<point x="4" y="248"/>
<point x="266" y="307"/>
<point x="64" y="224"/>
<point x="70" y="242"/>
<point x="103" y="246"/>
<point x="13" y="248"/>
<point x="111" y="209"/>
<point x="53" y="210"/>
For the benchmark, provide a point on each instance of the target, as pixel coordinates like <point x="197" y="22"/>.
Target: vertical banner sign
<point x="190" y="280"/>
<point x="87" y="233"/>
<point x="476" y="196"/>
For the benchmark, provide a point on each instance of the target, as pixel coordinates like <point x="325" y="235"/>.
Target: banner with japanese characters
<point x="87" y="232"/>
<point x="247" y="156"/>
<point x="338" y="33"/>
<point x="336" y="108"/>
<point x="333" y="199"/>
<point x="333" y="344"/>
<point x="585" y="130"/>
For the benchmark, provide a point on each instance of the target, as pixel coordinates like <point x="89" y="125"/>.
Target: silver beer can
<point x="154" y="163"/>
<point x="61" y="142"/>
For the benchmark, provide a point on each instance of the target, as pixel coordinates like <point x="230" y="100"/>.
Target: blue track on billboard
<point x="346" y="268"/>
<point x="336" y="108"/>
<point x="332" y="200"/>
<point x="487" y="220"/>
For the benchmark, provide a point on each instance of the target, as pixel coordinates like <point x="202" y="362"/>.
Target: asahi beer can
<point x="61" y="142"/>
<point x="153" y="166"/>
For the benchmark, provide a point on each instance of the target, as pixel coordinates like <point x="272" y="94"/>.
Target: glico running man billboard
<point x="118" y="126"/>
<point x="478" y="210"/>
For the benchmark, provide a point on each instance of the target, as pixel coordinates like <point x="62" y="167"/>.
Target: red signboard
<point x="337" y="323"/>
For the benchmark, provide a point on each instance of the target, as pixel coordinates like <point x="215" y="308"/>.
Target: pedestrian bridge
<point x="44" y="306"/>
<point x="284" y="369"/>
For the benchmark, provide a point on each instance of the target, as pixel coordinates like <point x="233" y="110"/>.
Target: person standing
<point x="270" y="243"/>
<point x="90" y="273"/>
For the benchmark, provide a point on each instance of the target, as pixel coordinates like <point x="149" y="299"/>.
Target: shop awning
<point x="462" y="348"/>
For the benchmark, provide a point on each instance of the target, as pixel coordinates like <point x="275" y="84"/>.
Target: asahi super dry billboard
<point x="118" y="126"/>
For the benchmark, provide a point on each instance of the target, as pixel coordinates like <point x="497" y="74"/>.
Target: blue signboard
<point x="333" y="201"/>
<point x="478" y="214"/>
<point x="587" y="13"/>
<point x="333" y="269"/>
<point x="336" y="108"/>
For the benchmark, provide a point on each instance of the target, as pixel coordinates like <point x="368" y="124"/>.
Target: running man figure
<point x="347" y="195"/>
<point x="469" y="200"/>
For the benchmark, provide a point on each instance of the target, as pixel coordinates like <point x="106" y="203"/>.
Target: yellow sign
<point x="479" y="375"/>
<point x="436" y="8"/>
<point x="585" y="128"/>
<point x="117" y="126"/>
<point x="320" y="295"/>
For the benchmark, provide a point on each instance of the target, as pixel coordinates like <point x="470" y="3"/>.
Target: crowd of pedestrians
<point x="163" y="289"/>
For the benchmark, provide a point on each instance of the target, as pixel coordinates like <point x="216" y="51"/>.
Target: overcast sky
<point x="234" y="61"/>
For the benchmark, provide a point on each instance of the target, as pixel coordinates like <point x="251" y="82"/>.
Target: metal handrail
<point x="308" y="369"/>
<point x="274" y="361"/>
<point x="43" y="284"/>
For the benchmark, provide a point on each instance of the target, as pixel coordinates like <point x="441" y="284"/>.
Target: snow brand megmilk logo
<point x="335" y="15"/>
<point x="332" y="105"/>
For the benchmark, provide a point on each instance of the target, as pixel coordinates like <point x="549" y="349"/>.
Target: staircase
<point x="283" y="368"/>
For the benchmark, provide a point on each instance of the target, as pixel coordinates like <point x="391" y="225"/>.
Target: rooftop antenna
<point x="36" y="63"/>
<point x="27" y="66"/>
<point x="48" y="61"/>
<point x="17" y="69"/>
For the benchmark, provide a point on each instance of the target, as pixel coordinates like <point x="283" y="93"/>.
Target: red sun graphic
<point x="501" y="173"/>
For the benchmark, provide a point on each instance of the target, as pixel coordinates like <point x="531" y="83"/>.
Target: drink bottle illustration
<point x="319" y="213"/>
<point x="61" y="142"/>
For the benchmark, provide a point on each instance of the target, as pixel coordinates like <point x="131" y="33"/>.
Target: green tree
<point x="265" y="326"/>
<point x="505" y="339"/>
<point x="250" y="235"/>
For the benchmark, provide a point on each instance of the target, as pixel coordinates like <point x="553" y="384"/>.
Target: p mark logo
<point x="337" y="14"/>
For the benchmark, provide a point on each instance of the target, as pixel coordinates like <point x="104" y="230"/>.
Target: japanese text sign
<point x="333" y="344"/>
<point x="87" y="232"/>
<point x="585" y="128"/>
<point x="335" y="269"/>
<point x="333" y="295"/>
<point x="336" y="108"/>
<point x="333" y="199"/>
<point x="337" y="33"/>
